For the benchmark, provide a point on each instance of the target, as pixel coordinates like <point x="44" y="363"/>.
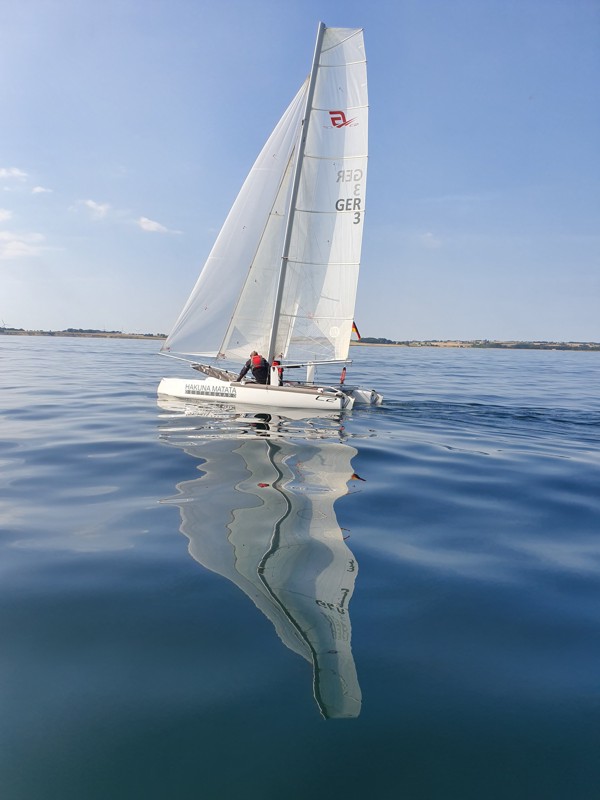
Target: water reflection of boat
<point x="279" y="541"/>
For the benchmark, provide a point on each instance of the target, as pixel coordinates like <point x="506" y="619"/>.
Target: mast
<point x="294" y="195"/>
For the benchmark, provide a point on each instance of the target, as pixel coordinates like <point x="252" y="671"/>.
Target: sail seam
<point x="325" y="263"/>
<point x="314" y="211"/>
<point x="334" y="158"/>
<point x="347" y="108"/>
<point x="341" y="66"/>
<point x="322" y="317"/>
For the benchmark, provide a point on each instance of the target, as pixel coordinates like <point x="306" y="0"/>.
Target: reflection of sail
<point x="281" y="544"/>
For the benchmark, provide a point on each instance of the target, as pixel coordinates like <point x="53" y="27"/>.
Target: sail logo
<point x="338" y="119"/>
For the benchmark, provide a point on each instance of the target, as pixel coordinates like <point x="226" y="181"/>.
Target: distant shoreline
<point x="365" y="342"/>
<point x="83" y="334"/>
<point x="488" y="344"/>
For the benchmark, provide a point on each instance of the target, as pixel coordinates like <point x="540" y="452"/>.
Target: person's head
<point x="253" y="353"/>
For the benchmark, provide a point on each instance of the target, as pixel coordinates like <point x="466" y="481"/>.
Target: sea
<point x="395" y="603"/>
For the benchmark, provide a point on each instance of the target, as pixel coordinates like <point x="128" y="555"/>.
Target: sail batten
<point x="326" y="263"/>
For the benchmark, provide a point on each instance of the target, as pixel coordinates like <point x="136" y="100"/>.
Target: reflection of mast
<point x="284" y="547"/>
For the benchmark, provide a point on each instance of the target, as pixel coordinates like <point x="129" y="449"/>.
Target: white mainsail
<point x="284" y="268"/>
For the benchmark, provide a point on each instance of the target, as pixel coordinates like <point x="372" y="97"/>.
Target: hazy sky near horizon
<point x="128" y="127"/>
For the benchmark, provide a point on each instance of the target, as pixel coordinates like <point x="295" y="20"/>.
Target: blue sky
<point x="129" y="126"/>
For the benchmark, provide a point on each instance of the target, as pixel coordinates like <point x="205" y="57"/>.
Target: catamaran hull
<point x="367" y="397"/>
<point x="317" y="398"/>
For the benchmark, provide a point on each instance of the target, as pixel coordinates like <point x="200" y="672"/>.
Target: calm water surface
<point x="399" y="603"/>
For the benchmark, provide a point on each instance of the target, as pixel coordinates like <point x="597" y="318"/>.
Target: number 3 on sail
<point x="281" y="278"/>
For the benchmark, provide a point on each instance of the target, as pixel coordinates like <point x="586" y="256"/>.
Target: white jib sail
<point x="201" y="326"/>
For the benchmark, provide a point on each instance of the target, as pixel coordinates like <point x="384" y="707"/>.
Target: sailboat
<point x="281" y="278"/>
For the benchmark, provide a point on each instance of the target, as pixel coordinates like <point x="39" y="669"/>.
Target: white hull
<point x="317" y="398"/>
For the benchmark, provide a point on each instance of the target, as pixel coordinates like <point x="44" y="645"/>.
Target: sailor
<point x="259" y="367"/>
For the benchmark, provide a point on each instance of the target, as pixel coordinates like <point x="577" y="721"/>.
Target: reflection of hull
<point x="197" y="407"/>
<point x="283" y="547"/>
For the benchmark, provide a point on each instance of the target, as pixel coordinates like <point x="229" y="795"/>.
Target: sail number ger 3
<point x="350" y="203"/>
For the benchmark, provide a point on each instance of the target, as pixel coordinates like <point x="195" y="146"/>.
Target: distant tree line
<point x="374" y="340"/>
<point x="88" y="330"/>
<point x="486" y="343"/>
<point x="538" y="345"/>
<point x="78" y="332"/>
